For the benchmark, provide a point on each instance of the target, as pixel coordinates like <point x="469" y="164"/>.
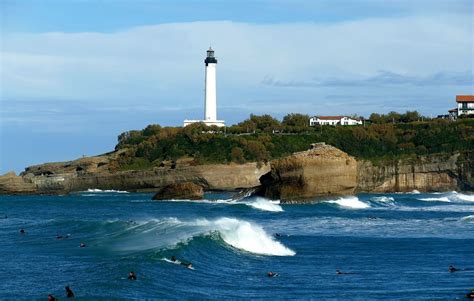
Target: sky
<point x="75" y="74"/>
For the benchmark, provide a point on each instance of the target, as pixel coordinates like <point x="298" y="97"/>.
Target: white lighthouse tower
<point x="210" y="93"/>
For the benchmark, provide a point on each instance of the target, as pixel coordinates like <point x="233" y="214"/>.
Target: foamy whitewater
<point x="232" y="245"/>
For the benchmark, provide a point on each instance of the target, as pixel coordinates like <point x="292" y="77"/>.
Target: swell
<point x="168" y="233"/>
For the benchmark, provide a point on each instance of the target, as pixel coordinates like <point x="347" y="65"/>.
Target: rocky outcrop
<point x="320" y="171"/>
<point x="180" y="191"/>
<point x="95" y="172"/>
<point x="439" y="172"/>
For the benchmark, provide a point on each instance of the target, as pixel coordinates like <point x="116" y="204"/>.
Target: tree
<point x="237" y="155"/>
<point x="296" y="120"/>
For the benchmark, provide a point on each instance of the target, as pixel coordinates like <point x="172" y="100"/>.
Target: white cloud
<point x="163" y="64"/>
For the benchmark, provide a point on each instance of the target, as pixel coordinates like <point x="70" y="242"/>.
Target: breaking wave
<point x="349" y="202"/>
<point x="95" y="190"/>
<point x="469" y="218"/>
<point x="254" y="202"/>
<point x="265" y="205"/>
<point x="439" y="199"/>
<point x="157" y="234"/>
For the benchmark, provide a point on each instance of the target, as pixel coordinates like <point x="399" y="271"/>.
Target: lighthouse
<point x="210" y="93"/>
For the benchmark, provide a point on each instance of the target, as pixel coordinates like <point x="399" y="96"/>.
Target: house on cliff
<point x="333" y="120"/>
<point x="465" y="105"/>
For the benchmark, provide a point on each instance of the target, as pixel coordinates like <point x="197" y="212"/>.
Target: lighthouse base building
<point x="210" y="94"/>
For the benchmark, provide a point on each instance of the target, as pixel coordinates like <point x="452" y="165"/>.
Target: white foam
<point x="383" y="199"/>
<point x="265" y="205"/>
<point x="350" y="202"/>
<point x="463" y="197"/>
<point x="440" y="199"/>
<point x="250" y="237"/>
<point x="469" y="218"/>
<point x="414" y="191"/>
<point x="106" y="190"/>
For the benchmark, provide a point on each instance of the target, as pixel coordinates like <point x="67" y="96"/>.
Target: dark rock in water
<point x="180" y="191"/>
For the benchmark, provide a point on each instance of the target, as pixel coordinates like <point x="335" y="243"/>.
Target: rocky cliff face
<point x="322" y="170"/>
<point x="438" y="172"/>
<point x="94" y="172"/>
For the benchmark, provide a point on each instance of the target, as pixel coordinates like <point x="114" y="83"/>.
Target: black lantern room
<point x="210" y="59"/>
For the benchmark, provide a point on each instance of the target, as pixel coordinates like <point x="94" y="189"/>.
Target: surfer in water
<point x="173" y="258"/>
<point x="470" y="295"/>
<point x="272" y="274"/>
<point x="132" y="276"/>
<point x="69" y="293"/>
<point x="82" y="245"/>
<point x="187" y="264"/>
<point x="51" y="298"/>
<point x="338" y="272"/>
<point x="452" y="269"/>
<point x="22" y="231"/>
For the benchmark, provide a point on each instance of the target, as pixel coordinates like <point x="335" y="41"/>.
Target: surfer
<point x="272" y="274"/>
<point x="470" y="295"/>
<point x="22" y="231"/>
<point x="82" y="245"/>
<point x="187" y="264"/>
<point x="173" y="258"/>
<point x="452" y="269"/>
<point x="51" y="298"/>
<point x="69" y="293"/>
<point x="277" y="235"/>
<point x="338" y="272"/>
<point x="132" y="276"/>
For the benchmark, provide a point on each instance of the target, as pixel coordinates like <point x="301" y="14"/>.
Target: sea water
<point x="394" y="247"/>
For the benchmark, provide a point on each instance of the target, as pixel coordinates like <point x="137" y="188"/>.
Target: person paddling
<point x="51" y="298"/>
<point x="132" y="276"/>
<point x="69" y="293"/>
<point x="452" y="269"/>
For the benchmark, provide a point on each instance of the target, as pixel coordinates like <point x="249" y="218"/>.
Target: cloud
<point x="382" y="78"/>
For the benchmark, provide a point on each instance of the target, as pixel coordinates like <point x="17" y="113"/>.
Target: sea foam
<point x="351" y="202"/>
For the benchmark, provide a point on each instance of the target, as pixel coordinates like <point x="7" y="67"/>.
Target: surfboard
<point x="177" y="262"/>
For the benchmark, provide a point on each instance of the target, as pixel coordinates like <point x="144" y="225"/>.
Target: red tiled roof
<point x="464" y="98"/>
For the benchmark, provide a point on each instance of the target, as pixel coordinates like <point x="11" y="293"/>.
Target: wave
<point x="254" y="202"/>
<point x="450" y="197"/>
<point x="95" y="190"/>
<point x="439" y="199"/>
<point x="265" y="205"/>
<point x="463" y="197"/>
<point x="166" y="233"/>
<point x="469" y="218"/>
<point x="352" y="202"/>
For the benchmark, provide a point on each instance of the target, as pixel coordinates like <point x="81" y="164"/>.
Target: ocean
<point x="388" y="247"/>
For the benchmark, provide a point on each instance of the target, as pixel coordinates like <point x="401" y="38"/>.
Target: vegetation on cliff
<point x="262" y="138"/>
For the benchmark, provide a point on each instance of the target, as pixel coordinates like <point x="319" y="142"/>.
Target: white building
<point x="465" y="104"/>
<point x="333" y="120"/>
<point x="210" y="93"/>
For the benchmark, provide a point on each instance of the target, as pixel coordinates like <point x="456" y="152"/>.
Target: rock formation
<point x="95" y="172"/>
<point x="180" y="191"/>
<point x="439" y="172"/>
<point x="322" y="170"/>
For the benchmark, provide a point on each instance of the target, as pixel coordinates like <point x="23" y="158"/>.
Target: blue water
<point x="397" y="246"/>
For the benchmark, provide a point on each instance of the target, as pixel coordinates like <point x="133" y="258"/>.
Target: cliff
<point x="438" y="172"/>
<point x="95" y="172"/>
<point x="321" y="171"/>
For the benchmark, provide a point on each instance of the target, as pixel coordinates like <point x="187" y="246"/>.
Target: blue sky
<point x="75" y="74"/>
